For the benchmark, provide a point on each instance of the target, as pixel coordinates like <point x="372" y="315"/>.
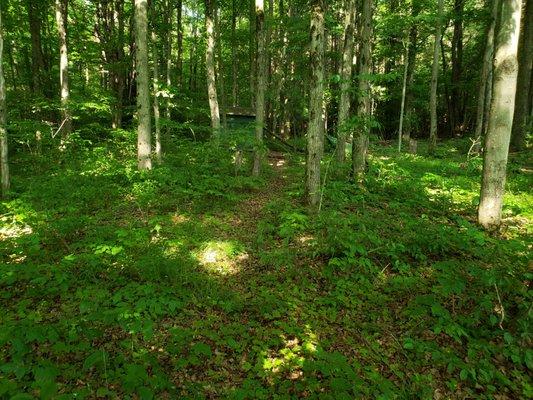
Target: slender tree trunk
<point x="157" y="119"/>
<point x="252" y="52"/>
<point x="61" y="19"/>
<point x="411" y="63"/>
<point x="262" y="68"/>
<point x="501" y="115"/>
<point x="434" y="80"/>
<point x="364" y="108"/>
<point x="404" y="91"/>
<point x="210" y="66"/>
<point x="486" y="72"/>
<point x="38" y="63"/>
<point x="522" y="114"/>
<point x="179" y="27"/>
<point x="346" y="78"/>
<point x="457" y="67"/>
<point x="315" y="132"/>
<point x="220" y="72"/>
<point x="4" y="165"/>
<point x="144" y="130"/>
<point x="234" y="83"/>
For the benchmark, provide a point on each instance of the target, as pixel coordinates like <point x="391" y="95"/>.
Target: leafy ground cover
<point x="196" y="281"/>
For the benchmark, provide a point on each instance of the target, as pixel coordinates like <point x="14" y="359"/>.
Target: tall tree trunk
<point x="210" y="65"/>
<point x="522" y="115"/>
<point x="486" y="73"/>
<point x="220" y="72"/>
<point x="315" y="132"/>
<point x="364" y="107"/>
<point x="404" y="92"/>
<point x="501" y="115"/>
<point x="411" y="63"/>
<point x="434" y="80"/>
<point x="234" y="83"/>
<point x="144" y="130"/>
<point x="38" y="63"/>
<point x="157" y="119"/>
<point x="252" y="52"/>
<point x="4" y="166"/>
<point x="61" y="19"/>
<point x="262" y="69"/>
<point x="179" y="27"/>
<point x="457" y="117"/>
<point x="346" y="78"/>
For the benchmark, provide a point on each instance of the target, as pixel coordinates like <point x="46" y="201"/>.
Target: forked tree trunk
<point x="144" y="130"/>
<point x="262" y="69"/>
<point x="61" y="19"/>
<point x="486" y="73"/>
<point x="501" y="115"/>
<point x="4" y="166"/>
<point x="434" y="80"/>
<point x="404" y="91"/>
<point x="364" y="107"/>
<point x="522" y="115"/>
<point x="315" y="132"/>
<point x="346" y="78"/>
<point x="210" y="66"/>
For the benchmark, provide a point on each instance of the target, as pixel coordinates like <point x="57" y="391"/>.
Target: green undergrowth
<point x="120" y="284"/>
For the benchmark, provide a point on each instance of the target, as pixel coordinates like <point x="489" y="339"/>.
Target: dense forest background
<point x="266" y="199"/>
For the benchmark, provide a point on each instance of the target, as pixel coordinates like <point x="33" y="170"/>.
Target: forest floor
<point x="191" y="281"/>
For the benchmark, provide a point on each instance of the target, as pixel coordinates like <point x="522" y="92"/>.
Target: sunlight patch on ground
<point x="291" y="358"/>
<point x="221" y="258"/>
<point x="9" y="230"/>
<point x="179" y="219"/>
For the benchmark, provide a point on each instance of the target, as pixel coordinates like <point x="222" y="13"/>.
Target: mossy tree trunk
<point x="435" y="79"/>
<point x="210" y="66"/>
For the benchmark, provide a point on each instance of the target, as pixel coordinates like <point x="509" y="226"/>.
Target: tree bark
<point x="411" y="62"/>
<point x="457" y="117"/>
<point x="179" y="27"/>
<point x="144" y="130"/>
<point x="364" y="107"/>
<point x="262" y="68"/>
<point x="315" y="132"/>
<point x="210" y="66"/>
<point x="404" y="91"/>
<point x="346" y="78"/>
<point x="522" y="115"/>
<point x="61" y="19"/>
<point x="434" y="80"/>
<point x="38" y="63"/>
<point x="157" y="119"/>
<point x="486" y="72"/>
<point x="501" y="115"/>
<point x="234" y="83"/>
<point x="4" y="165"/>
